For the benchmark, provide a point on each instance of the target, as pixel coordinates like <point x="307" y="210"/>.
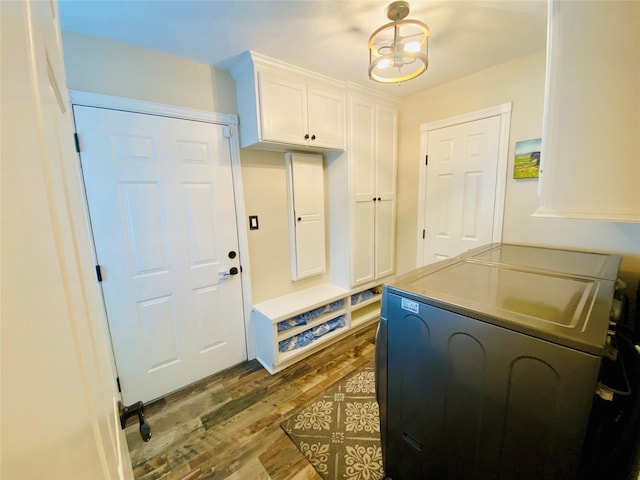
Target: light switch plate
<point x="253" y="222"/>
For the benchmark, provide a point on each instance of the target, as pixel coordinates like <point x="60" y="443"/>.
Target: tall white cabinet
<point x="362" y="192"/>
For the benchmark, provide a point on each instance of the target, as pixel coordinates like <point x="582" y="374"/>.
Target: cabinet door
<point x="385" y="222"/>
<point x="326" y="118"/>
<point x="283" y="110"/>
<point x="363" y="242"/>
<point x="386" y="148"/>
<point x="362" y="146"/>
<point x="306" y="214"/>
<point x="362" y="143"/>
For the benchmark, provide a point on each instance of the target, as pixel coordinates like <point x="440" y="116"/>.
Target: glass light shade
<point x="398" y="51"/>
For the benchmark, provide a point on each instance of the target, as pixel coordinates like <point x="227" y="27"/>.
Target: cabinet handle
<point x="313" y="137"/>
<point x="306" y="137"/>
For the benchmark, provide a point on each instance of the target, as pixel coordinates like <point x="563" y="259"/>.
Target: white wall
<point x="103" y="66"/>
<point x="58" y="406"/>
<point x="521" y="81"/>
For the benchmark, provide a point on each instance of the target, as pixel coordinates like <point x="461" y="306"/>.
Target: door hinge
<point x="424" y="232"/>
<point x="426" y="159"/>
<point x="98" y="273"/>
<point x="118" y="384"/>
<point x="226" y="131"/>
<point x="76" y="141"/>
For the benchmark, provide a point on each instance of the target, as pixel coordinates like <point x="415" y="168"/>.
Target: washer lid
<point x="568" y="310"/>
<point x="586" y="264"/>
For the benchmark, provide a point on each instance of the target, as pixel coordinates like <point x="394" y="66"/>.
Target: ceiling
<point x="328" y="37"/>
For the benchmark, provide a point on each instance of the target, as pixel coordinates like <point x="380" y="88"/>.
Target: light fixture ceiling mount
<point x="398" y="50"/>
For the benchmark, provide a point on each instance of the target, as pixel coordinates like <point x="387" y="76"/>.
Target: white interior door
<point x="160" y="196"/>
<point x="461" y="186"/>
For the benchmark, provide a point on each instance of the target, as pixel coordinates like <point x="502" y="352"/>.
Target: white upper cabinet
<point x="326" y="118"/>
<point x="282" y="106"/>
<point x="282" y="109"/>
<point x="591" y="136"/>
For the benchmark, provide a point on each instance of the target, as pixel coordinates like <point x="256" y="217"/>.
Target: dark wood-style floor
<point x="227" y="426"/>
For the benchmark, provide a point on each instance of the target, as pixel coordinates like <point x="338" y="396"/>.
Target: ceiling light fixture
<point x="398" y="50"/>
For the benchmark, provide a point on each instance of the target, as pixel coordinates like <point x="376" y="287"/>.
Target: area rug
<point x="339" y="432"/>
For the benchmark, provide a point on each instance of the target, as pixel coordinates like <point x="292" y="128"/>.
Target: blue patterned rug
<point x="339" y="432"/>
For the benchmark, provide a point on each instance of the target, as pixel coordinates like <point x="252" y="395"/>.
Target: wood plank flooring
<point x="227" y="426"/>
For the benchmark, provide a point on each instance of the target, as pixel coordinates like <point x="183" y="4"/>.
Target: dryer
<point x="487" y="364"/>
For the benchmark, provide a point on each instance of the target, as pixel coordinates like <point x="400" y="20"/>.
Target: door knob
<point x="225" y="274"/>
<point x="232" y="254"/>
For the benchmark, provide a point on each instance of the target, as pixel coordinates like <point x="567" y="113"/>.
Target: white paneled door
<point x="305" y="182"/>
<point x="461" y="187"/>
<point x="161" y="203"/>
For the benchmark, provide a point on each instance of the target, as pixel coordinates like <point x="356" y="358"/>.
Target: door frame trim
<point x="230" y="120"/>
<point x="504" y="112"/>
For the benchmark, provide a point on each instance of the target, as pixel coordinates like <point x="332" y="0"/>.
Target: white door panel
<point x="310" y="234"/>
<point x="386" y="149"/>
<point x="362" y="150"/>
<point x="305" y="185"/>
<point x="461" y="183"/>
<point x="363" y="242"/>
<point x="283" y="115"/>
<point x="385" y="237"/>
<point x="160" y="196"/>
<point x="326" y="118"/>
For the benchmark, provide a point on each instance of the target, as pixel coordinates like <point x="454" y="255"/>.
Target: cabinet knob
<point x="299" y="219"/>
<point x="306" y="137"/>
<point x="313" y="137"/>
<point x="374" y="199"/>
<point x="379" y="199"/>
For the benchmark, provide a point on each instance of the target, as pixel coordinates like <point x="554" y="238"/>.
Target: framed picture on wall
<point x="527" y="159"/>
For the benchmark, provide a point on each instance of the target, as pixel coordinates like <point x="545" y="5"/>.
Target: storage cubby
<point x="293" y="326"/>
<point x="365" y="305"/>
